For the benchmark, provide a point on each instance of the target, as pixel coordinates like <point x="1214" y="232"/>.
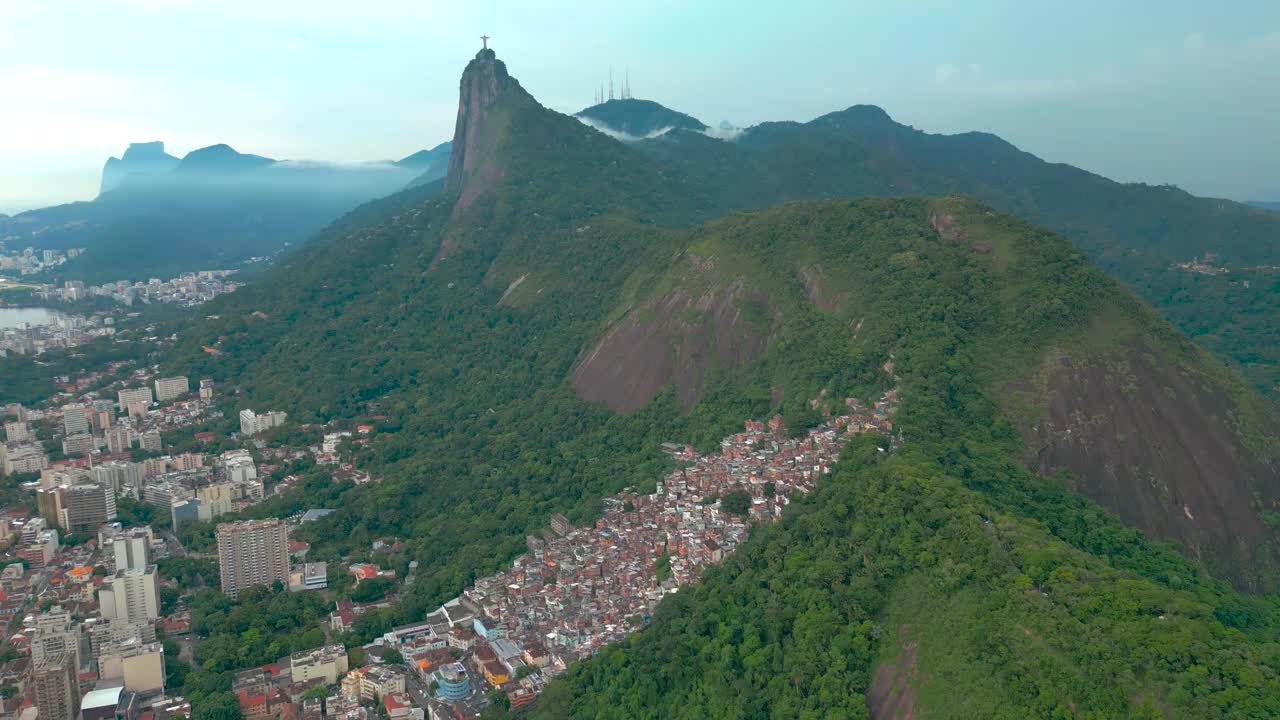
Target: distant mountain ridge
<point x="1137" y="232"/>
<point x="221" y="158"/>
<point x="158" y="214"/>
<point x="139" y="159"/>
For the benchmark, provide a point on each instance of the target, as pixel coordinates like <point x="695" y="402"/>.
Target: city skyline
<point x="1164" y="95"/>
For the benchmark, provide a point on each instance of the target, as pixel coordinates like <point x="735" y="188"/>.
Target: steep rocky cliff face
<point x="1162" y="448"/>
<point x="146" y="159"/>
<point x="677" y="339"/>
<point x="484" y="82"/>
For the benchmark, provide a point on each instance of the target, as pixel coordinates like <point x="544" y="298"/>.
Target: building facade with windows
<point x="253" y="552"/>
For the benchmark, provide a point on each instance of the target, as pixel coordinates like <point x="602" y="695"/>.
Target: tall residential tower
<point x="252" y="552"/>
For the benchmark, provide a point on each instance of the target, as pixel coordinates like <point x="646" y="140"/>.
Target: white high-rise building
<point x="131" y="549"/>
<point x="248" y="422"/>
<point x="239" y="466"/>
<point x="119" y="474"/>
<point x="134" y="395"/>
<point x="130" y="596"/>
<point x="252" y="423"/>
<point x="170" y="388"/>
<point x="74" y="419"/>
<point x="16" y="432"/>
<point x="150" y="440"/>
<point x="119" y="439"/>
<point x="79" y="444"/>
<point x="55" y="632"/>
<point x="23" y="458"/>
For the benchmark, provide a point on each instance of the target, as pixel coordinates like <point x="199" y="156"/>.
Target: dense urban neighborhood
<point x="115" y="522"/>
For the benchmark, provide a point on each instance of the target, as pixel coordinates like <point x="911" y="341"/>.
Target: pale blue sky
<point x="1179" y="91"/>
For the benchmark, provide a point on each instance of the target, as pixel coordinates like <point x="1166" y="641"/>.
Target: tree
<point x="356" y="656"/>
<point x="736" y="502"/>
<point x="662" y="567"/>
<point x="373" y="589"/>
<point x="168" y="598"/>
<point x="392" y="656"/>
<point x="801" y="419"/>
<point x="218" y="706"/>
<point x="499" y="698"/>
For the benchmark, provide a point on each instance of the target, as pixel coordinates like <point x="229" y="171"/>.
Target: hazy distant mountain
<point x="220" y="159"/>
<point x="423" y="159"/>
<point x="146" y="159"/>
<point x="431" y="164"/>
<point x="1265" y="205"/>
<point x="159" y="215"/>
<point x="639" y="118"/>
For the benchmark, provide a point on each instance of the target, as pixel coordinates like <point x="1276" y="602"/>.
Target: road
<point x="175" y="546"/>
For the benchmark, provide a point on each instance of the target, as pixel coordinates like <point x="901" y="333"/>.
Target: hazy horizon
<point x="1161" y="93"/>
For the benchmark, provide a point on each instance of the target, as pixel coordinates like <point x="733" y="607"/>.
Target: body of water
<point x="15" y="317"/>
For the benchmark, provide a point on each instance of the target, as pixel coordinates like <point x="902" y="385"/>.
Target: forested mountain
<point x="639" y="118"/>
<point x="159" y="215"/>
<point x="531" y="328"/>
<point x="431" y="165"/>
<point x="1135" y="232"/>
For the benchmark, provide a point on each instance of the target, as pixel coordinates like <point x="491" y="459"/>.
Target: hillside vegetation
<point x="482" y="326"/>
<point x="1135" y="232"/>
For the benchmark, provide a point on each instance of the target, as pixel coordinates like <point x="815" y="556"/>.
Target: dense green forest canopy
<point x="484" y="439"/>
<point x="944" y="577"/>
<point x="1136" y="232"/>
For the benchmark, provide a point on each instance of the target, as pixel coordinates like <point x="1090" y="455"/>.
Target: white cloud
<point x="944" y="72"/>
<point x="1193" y="41"/>
<point x="727" y="134"/>
<point x="619" y="135"/>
